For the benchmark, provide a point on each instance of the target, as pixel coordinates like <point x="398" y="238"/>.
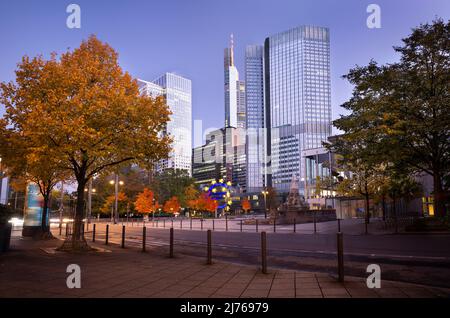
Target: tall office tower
<point x="222" y="156"/>
<point x="254" y="79"/>
<point x="234" y="91"/>
<point x="297" y="99"/>
<point x="177" y="91"/>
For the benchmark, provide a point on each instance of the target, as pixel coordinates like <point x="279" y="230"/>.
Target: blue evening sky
<point x="188" y="36"/>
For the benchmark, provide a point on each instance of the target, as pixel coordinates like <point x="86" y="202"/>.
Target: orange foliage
<point x="246" y="206"/>
<point x="172" y="205"/>
<point x="144" y="202"/>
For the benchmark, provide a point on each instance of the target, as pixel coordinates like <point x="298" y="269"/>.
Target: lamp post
<point x="265" y="193"/>
<point x="90" y="191"/>
<point x="116" y="184"/>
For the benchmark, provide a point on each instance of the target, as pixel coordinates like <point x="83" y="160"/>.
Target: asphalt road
<point x="421" y="259"/>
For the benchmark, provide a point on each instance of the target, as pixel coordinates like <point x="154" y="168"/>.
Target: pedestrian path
<point x="35" y="269"/>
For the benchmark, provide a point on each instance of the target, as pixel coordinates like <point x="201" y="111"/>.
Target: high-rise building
<point x="254" y="79"/>
<point x="222" y="156"/>
<point x="297" y="100"/>
<point x="177" y="92"/>
<point x="234" y="91"/>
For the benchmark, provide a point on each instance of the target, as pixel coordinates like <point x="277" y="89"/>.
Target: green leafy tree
<point x="400" y="110"/>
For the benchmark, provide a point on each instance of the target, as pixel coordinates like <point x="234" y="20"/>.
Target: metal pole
<point x="226" y="222"/>
<point x="144" y="238"/>
<point x="315" y="226"/>
<point x="181" y="223"/>
<point x="93" y="232"/>
<point x="191" y="223"/>
<point x="339" y="225"/>
<point x="171" y="243"/>
<point x="164" y="223"/>
<point x="61" y="207"/>
<point x="116" y="197"/>
<point x="209" y="248"/>
<point x="213" y="225"/>
<point x="241" y="225"/>
<point x="274" y="224"/>
<point x="256" y="225"/>
<point x="295" y="224"/>
<point x="89" y="201"/>
<point x="123" y="236"/>
<point x="107" y="234"/>
<point x="201" y="224"/>
<point x="67" y="230"/>
<point x="340" y="251"/>
<point x="263" y="253"/>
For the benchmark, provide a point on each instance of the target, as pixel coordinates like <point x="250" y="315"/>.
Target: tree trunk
<point x="438" y="200"/>
<point x="383" y="206"/>
<point x="77" y="242"/>
<point x="394" y="207"/>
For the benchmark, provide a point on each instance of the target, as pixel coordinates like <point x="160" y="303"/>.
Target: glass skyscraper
<point x="177" y="91"/>
<point x="254" y="79"/>
<point x="298" y="97"/>
<point x="234" y="91"/>
<point x="288" y="96"/>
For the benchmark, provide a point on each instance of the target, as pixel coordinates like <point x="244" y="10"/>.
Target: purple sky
<point x="188" y="36"/>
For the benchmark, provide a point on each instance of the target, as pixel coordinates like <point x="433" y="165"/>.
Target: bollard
<point x="181" y="223"/>
<point x="340" y="252"/>
<point x="144" y="238"/>
<point x="263" y="253"/>
<point x="171" y="220"/>
<point x="93" y="232"/>
<point x="339" y="225"/>
<point x="171" y="243"/>
<point x="123" y="237"/>
<point x="164" y="223"/>
<point x="60" y="229"/>
<point x="67" y="230"/>
<point x="82" y="229"/>
<point x="190" y="223"/>
<point x="157" y="223"/>
<point x="315" y="227"/>
<point x="107" y="233"/>
<point x="201" y="224"/>
<point x="274" y="225"/>
<point x="241" y="225"/>
<point x="213" y="225"/>
<point x="295" y="226"/>
<point x="226" y="222"/>
<point x="209" y="249"/>
<point x="256" y="225"/>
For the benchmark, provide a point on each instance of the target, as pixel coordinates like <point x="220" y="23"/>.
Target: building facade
<point x="298" y="98"/>
<point x="255" y="118"/>
<point x="234" y="91"/>
<point x="177" y="92"/>
<point x="222" y="156"/>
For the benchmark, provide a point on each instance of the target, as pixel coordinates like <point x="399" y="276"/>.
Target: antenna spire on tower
<point x="231" y="50"/>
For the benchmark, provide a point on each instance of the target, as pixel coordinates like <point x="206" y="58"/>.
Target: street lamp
<point x="116" y="184"/>
<point x="265" y="193"/>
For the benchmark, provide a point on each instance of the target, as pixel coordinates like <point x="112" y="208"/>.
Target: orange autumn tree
<point x="144" y="203"/>
<point x="85" y="113"/>
<point x="122" y="199"/>
<point x="172" y="205"/>
<point x="246" y="206"/>
<point x="210" y="204"/>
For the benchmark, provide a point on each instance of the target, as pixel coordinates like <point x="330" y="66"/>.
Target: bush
<point x="5" y="213"/>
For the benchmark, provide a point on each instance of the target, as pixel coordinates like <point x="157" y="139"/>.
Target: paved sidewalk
<point x="34" y="269"/>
